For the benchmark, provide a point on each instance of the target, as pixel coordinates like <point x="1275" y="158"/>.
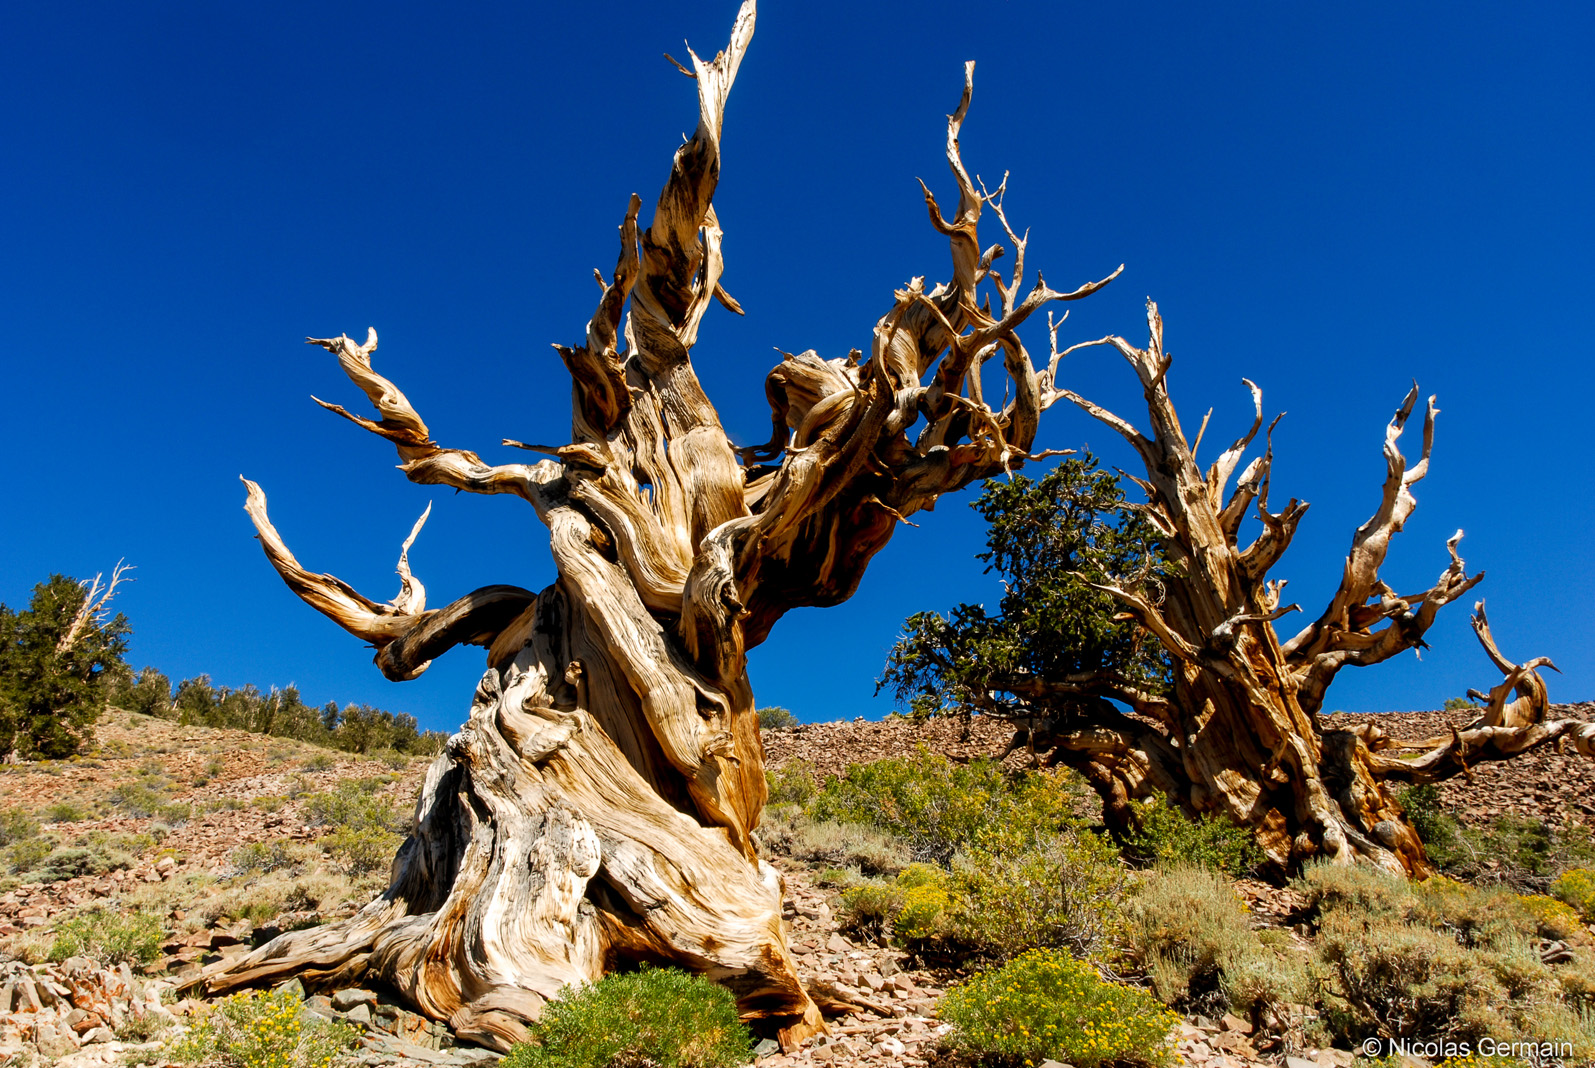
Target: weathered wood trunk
<point x="599" y="808"/>
<point x="1239" y="734"/>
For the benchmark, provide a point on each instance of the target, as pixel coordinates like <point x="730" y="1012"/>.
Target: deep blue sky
<point x="1329" y="200"/>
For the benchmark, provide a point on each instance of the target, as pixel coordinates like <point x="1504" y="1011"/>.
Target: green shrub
<point x="109" y="937"/>
<point x="791" y="784"/>
<point x="74" y="861"/>
<point x="1523" y="853"/>
<point x="1166" y="835"/>
<point x="319" y="762"/>
<point x="938" y="808"/>
<point x="776" y="718"/>
<point x="1577" y="888"/>
<point x="1355" y="888"/>
<point x="673" y="1019"/>
<point x="827" y="842"/>
<point x="1441" y="959"/>
<point x="16" y="824"/>
<point x="922" y="912"/>
<point x="868" y="908"/>
<point x="138" y="799"/>
<point x="1047" y="1004"/>
<point x="915" y="906"/>
<point x="362" y="850"/>
<point x="63" y="812"/>
<point x="1189" y="932"/>
<point x="261" y="1030"/>
<point x="1059" y="892"/>
<point x="355" y="804"/>
<point x="26" y="855"/>
<point x="257" y="858"/>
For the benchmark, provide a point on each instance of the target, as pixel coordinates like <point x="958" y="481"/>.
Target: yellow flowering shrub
<point x="1045" y="1003"/>
<point x="922" y="911"/>
<point x="256" y="1030"/>
<point x="1552" y="918"/>
<point x="1577" y="888"/>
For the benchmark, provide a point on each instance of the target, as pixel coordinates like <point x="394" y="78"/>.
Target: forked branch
<point x="406" y="635"/>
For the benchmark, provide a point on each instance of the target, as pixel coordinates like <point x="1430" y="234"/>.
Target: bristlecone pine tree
<point x="1236" y="730"/>
<point x="599" y="806"/>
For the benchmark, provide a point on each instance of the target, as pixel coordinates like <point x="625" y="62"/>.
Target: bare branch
<point x="92" y="612"/>
<point x="425" y="462"/>
<point x="419" y="635"/>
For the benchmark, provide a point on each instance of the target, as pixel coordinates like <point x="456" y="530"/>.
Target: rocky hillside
<point x="215" y="836"/>
<point x="1544" y="784"/>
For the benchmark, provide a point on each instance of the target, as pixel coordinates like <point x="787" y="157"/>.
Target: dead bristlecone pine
<point x="599" y="806"/>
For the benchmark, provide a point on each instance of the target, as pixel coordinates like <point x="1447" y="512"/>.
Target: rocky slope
<point x="230" y="789"/>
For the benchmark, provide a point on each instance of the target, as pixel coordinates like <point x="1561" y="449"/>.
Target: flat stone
<point x="766" y="1047"/>
<point x="1292" y="1061"/>
<point x="360" y="1014"/>
<point x="1231" y="1022"/>
<point x="348" y="998"/>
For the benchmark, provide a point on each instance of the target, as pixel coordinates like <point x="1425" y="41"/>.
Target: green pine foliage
<point x="50" y="697"/>
<point x="656" y="1016"/>
<point x="1046" y="539"/>
<point x="776" y="718"/>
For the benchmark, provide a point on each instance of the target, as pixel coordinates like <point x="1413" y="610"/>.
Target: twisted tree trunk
<point x="1239" y="733"/>
<point x="599" y="806"/>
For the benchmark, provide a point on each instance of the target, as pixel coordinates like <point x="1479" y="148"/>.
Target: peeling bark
<point x="599" y="807"/>
<point x="1239" y="734"/>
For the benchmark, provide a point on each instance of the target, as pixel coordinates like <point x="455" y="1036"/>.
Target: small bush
<point x="109" y="937"/>
<point x="938" y="808"/>
<point x="362" y="850"/>
<point x="1166" y="835"/>
<point x="1061" y="892"/>
<point x="776" y="718"/>
<point x="318" y="762"/>
<point x="355" y="803"/>
<point x="1553" y="919"/>
<point x="1523" y="853"/>
<point x="1577" y="889"/>
<point x="256" y="1030"/>
<point x="16" y="824"/>
<point x="138" y="799"/>
<point x="827" y="842"/>
<point x="1441" y="959"/>
<point x="25" y="855"/>
<point x="365" y="824"/>
<point x="1046" y="1004"/>
<point x="259" y="857"/>
<point x="63" y="812"/>
<point x="74" y="861"/>
<point x="791" y="784"/>
<point x="868" y="908"/>
<point x="1355" y="888"/>
<point x="653" y="1016"/>
<point x="1190" y="933"/>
